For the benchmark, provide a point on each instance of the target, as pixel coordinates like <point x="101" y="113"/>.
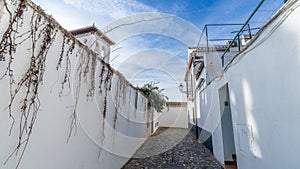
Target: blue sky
<point x="198" y="12"/>
<point x="157" y="50"/>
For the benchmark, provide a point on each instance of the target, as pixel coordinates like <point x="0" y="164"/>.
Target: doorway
<point x="227" y="128"/>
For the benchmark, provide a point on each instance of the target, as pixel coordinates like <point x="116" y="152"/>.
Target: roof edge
<point x="92" y="29"/>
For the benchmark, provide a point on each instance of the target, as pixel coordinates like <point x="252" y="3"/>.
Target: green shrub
<point x="155" y="96"/>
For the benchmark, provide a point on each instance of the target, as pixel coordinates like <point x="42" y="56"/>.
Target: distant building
<point x="95" y="40"/>
<point x="175" y="116"/>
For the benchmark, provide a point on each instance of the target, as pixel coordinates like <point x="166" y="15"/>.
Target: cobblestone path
<point x="172" y="148"/>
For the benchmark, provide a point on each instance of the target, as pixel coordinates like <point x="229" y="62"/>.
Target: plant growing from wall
<point x="8" y="46"/>
<point x="42" y="34"/>
<point x="78" y="77"/>
<point x="105" y="78"/>
<point x="120" y="98"/>
<point x="91" y="91"/>
<point x="67" y="73"/>
<point x="106" y="75"/>
<point x="155" y="96"/>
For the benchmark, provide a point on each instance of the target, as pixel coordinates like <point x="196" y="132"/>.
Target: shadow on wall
<point x="205" y="136"/>
<point x="263" y="99"/>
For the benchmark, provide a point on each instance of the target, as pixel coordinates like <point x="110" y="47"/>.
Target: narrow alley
<point x="173" y="148"/>
<point x="149" y="84"/>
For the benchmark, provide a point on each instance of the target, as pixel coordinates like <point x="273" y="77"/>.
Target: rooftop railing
<point x="237" y="40"/>
<point x="237" y="36"/>
<point x="207" y="39"/>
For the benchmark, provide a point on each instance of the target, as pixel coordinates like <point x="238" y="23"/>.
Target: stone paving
<point x="172" y="148"/>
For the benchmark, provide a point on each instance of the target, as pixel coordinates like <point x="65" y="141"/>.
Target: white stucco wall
<point x="210" y="116"/>
<point x="263" y="88"/>
<point x="190" y="106"/>
<point x="96" y="142"/>
<point x="264" y="91"/>
<point x="155" y="120"/>
<point x="176" y="116"/>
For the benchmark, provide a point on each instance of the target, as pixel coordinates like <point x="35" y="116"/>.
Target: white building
<point x="95" y="40"/>
<point x="203" y="63"/>
<point x="249" y="108"/>
<point x="175" y="116"/>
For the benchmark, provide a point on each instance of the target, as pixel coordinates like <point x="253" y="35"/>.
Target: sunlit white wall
<point x="98" y="142"/>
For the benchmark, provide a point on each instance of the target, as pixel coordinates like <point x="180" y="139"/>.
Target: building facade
<point x="95" y="39"/>
<point x="247" y="108"/>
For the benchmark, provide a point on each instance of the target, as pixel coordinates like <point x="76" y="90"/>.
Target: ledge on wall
<point x="176" y="104"/>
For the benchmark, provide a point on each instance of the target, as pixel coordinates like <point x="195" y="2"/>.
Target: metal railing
<point x="207" y="39"/>
<point x="237" y="36"/>
<point x="237" y="40"/>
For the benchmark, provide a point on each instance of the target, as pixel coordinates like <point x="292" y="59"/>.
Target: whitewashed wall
<point x="264" y="89"/>
<point x="97" y="141"/>
<point x="176" y="116"/>
<point x="155" y="120"/>
<point x="210" y="116"/>
<point x="190" y="106"/>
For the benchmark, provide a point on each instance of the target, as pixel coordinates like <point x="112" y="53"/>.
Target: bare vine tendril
<point x="43" y="31"/>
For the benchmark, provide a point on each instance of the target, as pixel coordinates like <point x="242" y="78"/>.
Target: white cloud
<point x="116" y="9"/>
<point x="140" y="55"/>
<point x="73" y="14"/>
<point x="155" y="65"/>
<point x="155" y="23"/>
<point x="69" y="16"/>
<point x="157" y="53"/>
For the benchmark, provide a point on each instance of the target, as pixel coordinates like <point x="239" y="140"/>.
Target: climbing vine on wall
<point x="78" y="78"/>
<point x="86" y="72"/>
<point x="120" y="99"/>
<point x="24" y="89"/>
<point x="91" y="91"/>
<point x="41" y="36"/>
<point x="106" y="82"/>
<point x="8" y="45"/>
<point x="65" y="55"/>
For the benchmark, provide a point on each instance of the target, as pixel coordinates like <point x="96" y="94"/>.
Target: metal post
<point x="223" y="60"/>
<point x="239" y="42"/>
<point x="206" y="34"/>
<point x="249" y="31"/>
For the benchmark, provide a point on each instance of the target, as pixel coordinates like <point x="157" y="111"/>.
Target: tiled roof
<point x="92" y="29"/>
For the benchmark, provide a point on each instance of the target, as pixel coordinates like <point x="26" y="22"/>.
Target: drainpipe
<point x="197" y="88"/>
<point x="197" y="134"/>
<point x="195" y="102"/>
